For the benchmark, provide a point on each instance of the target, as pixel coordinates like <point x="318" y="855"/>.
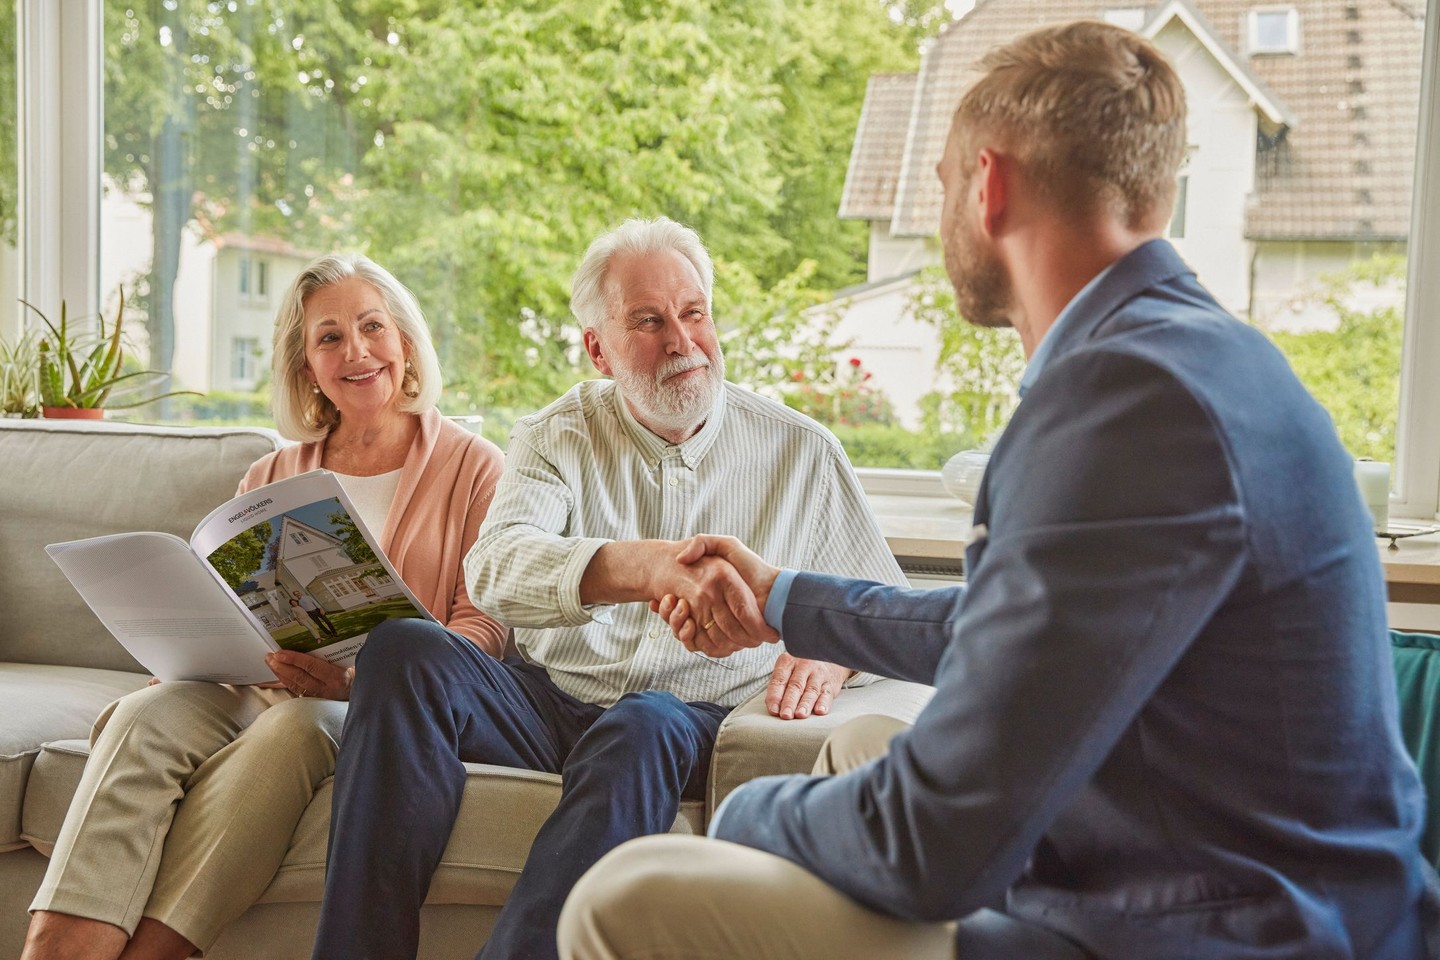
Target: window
<point x="1177" y="219"/>
<point x="302" y="136"/>
<point x="9" y="173"/>
<point x="1274" y="30"/>
<point x="245" y="277"/>
<point x="244" y="362"/>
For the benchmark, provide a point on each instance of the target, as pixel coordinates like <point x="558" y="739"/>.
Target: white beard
<point x="672" y="407"/>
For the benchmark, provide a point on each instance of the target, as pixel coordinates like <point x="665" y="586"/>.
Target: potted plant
<point x="77" y="370"/>
<point x="20" y="376"/>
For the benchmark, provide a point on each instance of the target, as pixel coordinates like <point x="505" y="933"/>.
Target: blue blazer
<point x="1165" y="723"/>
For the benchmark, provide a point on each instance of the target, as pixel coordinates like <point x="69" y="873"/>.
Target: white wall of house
<point x="238" y="316"/>
<point x="1220" y="168"/>
<point x="1289" y="280"/>
<point x="891" y="256"/>
<point x="897" y="349"/>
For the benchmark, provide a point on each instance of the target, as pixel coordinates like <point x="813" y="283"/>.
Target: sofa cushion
<point x="45" y="703"/>
<point x="68" y="480"/>
<point x="752" y="743"/>
<point x="502" y="810"/>
<point x="500" y="814"/>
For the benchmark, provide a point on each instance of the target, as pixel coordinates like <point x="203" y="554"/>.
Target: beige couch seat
<point x="59" y="667"/>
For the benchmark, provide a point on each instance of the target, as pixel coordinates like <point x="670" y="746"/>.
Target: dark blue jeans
<point x="424" y="702"/>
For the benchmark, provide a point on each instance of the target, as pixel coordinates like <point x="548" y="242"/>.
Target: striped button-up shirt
<point x="583" y="472"/>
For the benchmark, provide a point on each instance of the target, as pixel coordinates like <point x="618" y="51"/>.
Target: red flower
<point x="869" y="375"/>
<point x="798" y="375"/>
<point x="854" y="361"/>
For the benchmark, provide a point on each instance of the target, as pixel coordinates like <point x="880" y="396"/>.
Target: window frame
<point x="1292" y="31"/>
<point x="61" y="127"/>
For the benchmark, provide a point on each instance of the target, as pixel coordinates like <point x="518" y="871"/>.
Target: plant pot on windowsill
<point x="77" y="371"/>
<point x="73" y="413"/>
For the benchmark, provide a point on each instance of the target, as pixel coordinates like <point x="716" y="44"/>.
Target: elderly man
<point x="1165" y="718"/>
<point x="598" y="488"/>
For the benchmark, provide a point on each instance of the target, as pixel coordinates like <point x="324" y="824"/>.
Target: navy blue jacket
<point x="1165" y="718"/>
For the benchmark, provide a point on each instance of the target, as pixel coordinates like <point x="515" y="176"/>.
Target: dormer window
<point x="1274" y="30"/>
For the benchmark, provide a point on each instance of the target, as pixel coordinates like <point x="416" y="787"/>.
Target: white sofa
<point x="59" y="667"/>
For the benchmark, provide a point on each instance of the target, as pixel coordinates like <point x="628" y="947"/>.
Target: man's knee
<point x="649" y="718"/>
<point x="857" y="742"/>
<point x="400" y="653"/>
<point x="633" y="882"/>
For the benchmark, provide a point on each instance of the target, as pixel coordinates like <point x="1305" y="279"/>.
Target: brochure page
<point x="302" y="564"/>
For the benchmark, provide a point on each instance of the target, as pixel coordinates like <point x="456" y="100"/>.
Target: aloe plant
<point x="19" y="375"/>
<point x="80" y="370"/>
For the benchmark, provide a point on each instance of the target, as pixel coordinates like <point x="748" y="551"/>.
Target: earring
<point x="314" y="387"/>
<point x="410" y="383"/>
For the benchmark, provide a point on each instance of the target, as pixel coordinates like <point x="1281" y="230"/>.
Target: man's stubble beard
<point x="983" y="292"/>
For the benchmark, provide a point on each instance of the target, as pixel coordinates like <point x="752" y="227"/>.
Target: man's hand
<point x="701" y="629"/>
<point x="641" y="570"/>
<point x="307" y="676"/>
<point x="799" y="688"/>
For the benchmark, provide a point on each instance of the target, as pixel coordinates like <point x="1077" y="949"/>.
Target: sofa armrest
<point x="751" y="743"/>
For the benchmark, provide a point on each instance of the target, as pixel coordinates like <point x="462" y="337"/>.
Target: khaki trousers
<point x="187" y="805"/>
<point x="689" y="898"/>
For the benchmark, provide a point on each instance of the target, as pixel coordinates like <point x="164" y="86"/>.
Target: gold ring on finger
<point x="708" y="624"/>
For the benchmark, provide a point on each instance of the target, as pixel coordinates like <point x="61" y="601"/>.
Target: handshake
<point x="715" y="596"/>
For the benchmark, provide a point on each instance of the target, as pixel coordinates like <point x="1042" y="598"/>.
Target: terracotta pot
<point x="74" y="413"/>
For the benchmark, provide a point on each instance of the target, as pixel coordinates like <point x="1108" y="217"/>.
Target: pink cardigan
<point x="445" y="488"/>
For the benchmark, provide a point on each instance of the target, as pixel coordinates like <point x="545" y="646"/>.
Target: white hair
<point x="589" y="296"/>
<point x="301" y="414"/>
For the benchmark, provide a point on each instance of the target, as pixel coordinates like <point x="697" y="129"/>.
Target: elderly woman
<point x="193" y="790"/>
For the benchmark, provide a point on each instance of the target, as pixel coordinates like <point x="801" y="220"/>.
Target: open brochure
<point x="288" y="565"/>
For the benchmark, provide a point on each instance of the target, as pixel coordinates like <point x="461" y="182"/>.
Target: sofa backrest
<point x="66" y="480"/>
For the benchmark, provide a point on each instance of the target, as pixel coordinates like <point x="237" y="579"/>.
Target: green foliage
<point x="80" y="367"/>
<point x="20" y="375"/>
<point x="237" y="559"/>
<point x="897" y="448"/>
<point x="9" y="129"/>
<point x="356" y="548"/>
<point x="475" y="148"/>
<point x="841" y="396"/>
<point x="980" y="366"/>
<point x="1354" y="369"/>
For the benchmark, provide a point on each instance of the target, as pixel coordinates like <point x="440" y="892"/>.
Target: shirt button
<point x="654" y="634"/>
<point x="674" y="481"/>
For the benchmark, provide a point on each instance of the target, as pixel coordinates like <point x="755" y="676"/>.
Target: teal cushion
<point x="1417" y="680"/>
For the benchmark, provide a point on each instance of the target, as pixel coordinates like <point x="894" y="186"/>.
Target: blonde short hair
<point x="301" y="414"/>
<point x="589" y="298"/>
<point x="1093" y="113"/>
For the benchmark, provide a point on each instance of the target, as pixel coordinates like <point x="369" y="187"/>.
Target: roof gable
<point x="1336" y="155"/>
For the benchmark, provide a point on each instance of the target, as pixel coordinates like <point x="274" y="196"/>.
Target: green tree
<point x="1354" y="369"/>
<point x="982" y="366"/>
<point x="9" y="128"/>
<point x="225" y="113"/>
<point x="356" y="547"/>
<point x="238" y="559"/>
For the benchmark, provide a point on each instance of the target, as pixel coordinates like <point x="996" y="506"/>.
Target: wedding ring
<point x="708" y="624"/>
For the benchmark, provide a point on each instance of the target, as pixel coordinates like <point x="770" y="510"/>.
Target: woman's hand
<point x="307" y="676"/>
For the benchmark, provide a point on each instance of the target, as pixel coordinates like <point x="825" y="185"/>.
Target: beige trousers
<point x="187" y="805"/>
<point x="689" y="898"/>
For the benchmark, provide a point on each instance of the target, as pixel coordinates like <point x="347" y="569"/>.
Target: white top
<point x="583" y="472"/>
<point x="372" y="497"/>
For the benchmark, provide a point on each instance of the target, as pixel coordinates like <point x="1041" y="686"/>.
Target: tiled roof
<point x="1343" y="171"/>
<point x="879" y="148"/>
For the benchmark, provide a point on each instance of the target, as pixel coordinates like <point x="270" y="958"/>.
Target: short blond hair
<point x="1093" y="113"/>
<point x="300" y="413"/>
